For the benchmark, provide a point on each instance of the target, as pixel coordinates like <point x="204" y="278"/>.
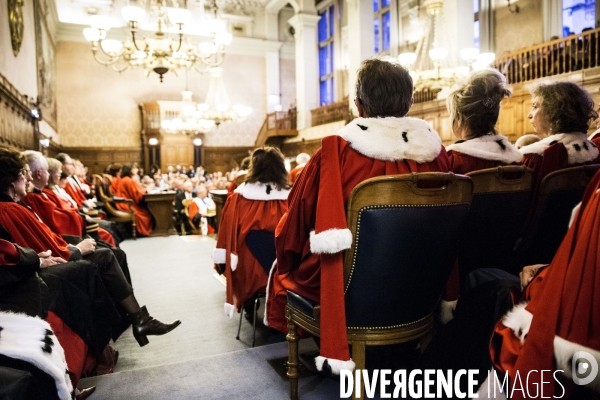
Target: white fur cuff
<point x="219" y="256"/>
<point x="519" y="320"/>
<point x="447" y="311"/>
<point x="566" y="354"/>
<point x="331" y="241"/>
<point x="229" y="310"/>
<point x="234" y="261"/>
<point x="335" y="365"/>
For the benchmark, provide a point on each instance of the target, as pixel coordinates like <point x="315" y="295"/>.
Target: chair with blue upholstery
<point x="262" y="246"/>
<point x="405" y="239"/>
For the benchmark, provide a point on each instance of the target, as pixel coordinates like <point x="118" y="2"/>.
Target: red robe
<point x="294" y="173"/>
<point x="249" y="208"/>
<point x="366" y="148"/>
<point x="73" y="190"/>
<point x="562" y="312"/>
<point x="58" y="219"/>
<point x="27" y="230"/>
<point x="557" y="152"/>
<point x="484" y="152"/>
<point x="129" y="189"/>
<point x="114" y="185"/>
<point x="193" y="209"/>
<point x="595" y="138"/>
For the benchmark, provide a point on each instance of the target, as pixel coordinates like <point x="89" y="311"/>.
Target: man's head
<point x="67" y="163"/>
<point x="38" y="166"/>
<point x="201" y="191"/>
<point x="188" y="186"/>
<point x="383" y="89"/>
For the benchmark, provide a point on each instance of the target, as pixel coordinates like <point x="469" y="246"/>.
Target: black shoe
<point x="143" y="325"/>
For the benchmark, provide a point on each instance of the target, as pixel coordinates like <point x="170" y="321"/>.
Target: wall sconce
<point x="513" y="8"/>
<point x="197" y="142"/>
<point x="153" y="141"/>
<point x="45" y="142"/>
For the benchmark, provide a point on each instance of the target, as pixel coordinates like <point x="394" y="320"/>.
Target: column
<point x="361" y="39"/>
<point x="307" y="72"/>
<point x="273" y="91"/>
<point x="457" y="29"/>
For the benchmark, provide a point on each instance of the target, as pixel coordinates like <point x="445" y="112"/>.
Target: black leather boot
<point x="143" y="325"/>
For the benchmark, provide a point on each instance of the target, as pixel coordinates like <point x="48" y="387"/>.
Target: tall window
<point x="476" y="29"/>
<point x="326" y="25"/>
<point x="382" y="25"/>
<point x="578" y="15"/>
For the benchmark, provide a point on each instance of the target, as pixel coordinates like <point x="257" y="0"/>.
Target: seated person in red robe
<point x="560" y="113"/>
<point x="203" y="206"/>
<point x="258" y="204"/>
<point x="73" y="187"/>
<point x="474" y="107"/>
<point x="129" y="189"/>
<point x="242" y="172"/>
<point x="313" y="233"/>
<point x="301" y="160"/>
<point x="27" y="230"/>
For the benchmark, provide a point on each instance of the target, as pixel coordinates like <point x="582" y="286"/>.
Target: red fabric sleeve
<point x="9" y="255"/>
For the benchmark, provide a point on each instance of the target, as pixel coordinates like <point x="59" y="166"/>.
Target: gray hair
<point x="384" y="88"/>
<point x="475" y="102"/>
<point x="35" y="159"/>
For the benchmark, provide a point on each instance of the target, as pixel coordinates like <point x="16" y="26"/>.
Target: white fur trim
<point x="447" y="311"/>
<point x="336" y="365"/>
<point x="384" y="139"/>
<point x="219" y="256"/>
<point x="234" y="261"/>
<point x="570" y="141"/>
<point x="22" y="337"/>
<point x="258" y="191"/>
<point x="229" y="310"/>
<point x="574" y="213"/>
<point x="564" y="353"/>
<point x="331" y="241"/>
<point x="265" y="319"/>
<point x="519" y="320"/>
<point x="488" y="148"/>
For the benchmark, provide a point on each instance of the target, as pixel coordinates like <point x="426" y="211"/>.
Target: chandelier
<point x="427" y="60"/>
<point x="169" y="50"/>
<point x="216" y="109"/>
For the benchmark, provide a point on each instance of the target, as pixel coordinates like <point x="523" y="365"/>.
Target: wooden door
<point x="176" y="150"/>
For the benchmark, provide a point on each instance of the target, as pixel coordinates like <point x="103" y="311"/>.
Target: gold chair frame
<point x="375" y="192"/>
<point x="113" y="213"/>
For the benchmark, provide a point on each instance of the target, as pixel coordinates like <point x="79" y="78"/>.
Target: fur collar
<point x="31" y="340"/>
<point x="393" y="139"/>
<point x="489" y="147"/>
<point x="519" y="320"/>
<point x="258" y="191"/>
<point x="579" y="148"/>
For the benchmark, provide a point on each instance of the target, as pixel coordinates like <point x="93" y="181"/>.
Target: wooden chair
<point x="186" y="210"/>
<point x="404" y="246"/>
<point x="559" y="192"/>
<point x="112" y="212"/>
<point x="262" y="246"/>
<point x="501" y="200"/>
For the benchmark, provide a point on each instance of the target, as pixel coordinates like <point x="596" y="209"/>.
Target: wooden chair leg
<point x="359" y="358"/>
<point x="134" y="226"/>
<point x="292" y="367"/>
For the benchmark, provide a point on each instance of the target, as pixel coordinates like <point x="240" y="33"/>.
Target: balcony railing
<point x="561" y="56"/>
<point x="278" y="124"/>
<point x="334" y="112"/>
<point x="425" y="95"/>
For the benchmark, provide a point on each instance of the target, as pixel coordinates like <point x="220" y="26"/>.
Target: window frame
<point x="328" y="9"/>
<point x="378" y="15"/>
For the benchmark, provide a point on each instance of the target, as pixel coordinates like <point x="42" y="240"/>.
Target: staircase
<point x="277" y="127"/>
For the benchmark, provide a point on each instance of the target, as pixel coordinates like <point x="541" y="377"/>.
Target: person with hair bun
<point x="257" y="204"/>
<point x="474" y="107"/>
<point x="561" y="113"/>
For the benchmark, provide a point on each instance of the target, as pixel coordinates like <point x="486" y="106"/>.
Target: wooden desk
<point x="219" y="197"/>
<point x="161" y="208"/>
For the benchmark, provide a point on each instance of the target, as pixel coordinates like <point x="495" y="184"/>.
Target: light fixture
<point x="407" y="59"/>
<point x="217" y="106"/>
<point x="189" y="120"/>
<point x="197" y="142"/>
<point x="164" y="52"/>
<point x="153" y="141"/>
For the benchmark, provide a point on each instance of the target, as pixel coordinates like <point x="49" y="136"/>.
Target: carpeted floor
<point x="201" y="359"/>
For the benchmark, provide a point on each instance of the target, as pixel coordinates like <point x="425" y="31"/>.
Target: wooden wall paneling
<point x="176" y="150"/>
<point x="292" y="149"/>
<point x="97" y="158"/>
<point x="224" y="158"/>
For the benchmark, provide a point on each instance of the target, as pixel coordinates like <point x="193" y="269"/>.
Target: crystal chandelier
<point x="430" y="55"/>
<point x="169" y="50"/>
<point x="188" y="121"/>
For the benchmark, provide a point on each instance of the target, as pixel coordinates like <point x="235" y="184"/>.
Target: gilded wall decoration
<point x="15" y="21"/>
<point x="45" y="50"/>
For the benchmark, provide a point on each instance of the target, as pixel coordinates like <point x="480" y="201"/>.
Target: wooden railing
<point x="339" y="111"/>
<point x="425" y="95"/>
<point x="280" y="124"/>
<point x="573" y="53"/>
<point x="17" y="125"/>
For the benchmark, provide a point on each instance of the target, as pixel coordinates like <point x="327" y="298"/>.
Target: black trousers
<point x="111" y="273"/>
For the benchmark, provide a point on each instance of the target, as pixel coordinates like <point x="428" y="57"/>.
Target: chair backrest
<point x="501" y="200"/>
<point x="405" y="237"/>
<point x="262" y="246"/>
<point x="559" y="192"/>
